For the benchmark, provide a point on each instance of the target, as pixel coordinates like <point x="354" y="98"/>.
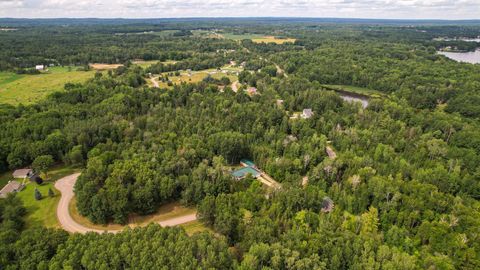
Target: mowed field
<point x="27" y="89"/>
<point x="197" y="76"/>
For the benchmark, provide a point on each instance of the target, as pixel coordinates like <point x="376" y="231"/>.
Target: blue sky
<point x="385" y="9"/>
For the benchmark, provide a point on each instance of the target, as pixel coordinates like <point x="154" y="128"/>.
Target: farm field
<point x="27" y="89"/>
<point x="257" y="38"/>
<point x="270" y="39"/>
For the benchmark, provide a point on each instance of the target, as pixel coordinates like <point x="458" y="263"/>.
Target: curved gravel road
<point x="65" y="186"/>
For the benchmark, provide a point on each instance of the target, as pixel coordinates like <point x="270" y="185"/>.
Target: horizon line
<point x="235" y="17"/>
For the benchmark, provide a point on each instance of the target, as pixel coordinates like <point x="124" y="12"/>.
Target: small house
<point x="22" y="173"/>
<point x="39" y="67"/>
<point x="307" y="113"/>
<point x="12" y="186"/>
<point x="243" y="172"/>
<point x="247" y="163"/>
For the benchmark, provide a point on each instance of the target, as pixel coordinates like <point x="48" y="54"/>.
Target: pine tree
<point x="51" y="193"/>
<point x="38" y="195"/>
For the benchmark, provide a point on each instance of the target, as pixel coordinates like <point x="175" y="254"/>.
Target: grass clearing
<point x="257" y="38"/>
<point x="42" y="212"/>
<point x="102" y="66"/>
<point x="27" y="89"/>
<point x="198" y="76"/>
<point x="195" y="227"/>
<point x="272" y="39"/>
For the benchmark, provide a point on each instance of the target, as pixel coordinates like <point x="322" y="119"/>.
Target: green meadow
<point x="27" y="89"/>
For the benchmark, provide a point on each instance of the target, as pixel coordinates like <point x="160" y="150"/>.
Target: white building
<point x="39" y="67"/>
<point x="307" y="113"/>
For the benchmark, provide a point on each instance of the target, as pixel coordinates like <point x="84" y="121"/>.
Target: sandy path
<point x="235" y="86"/>
<point x="65" y="186"/>
<point x="155" y="83"/>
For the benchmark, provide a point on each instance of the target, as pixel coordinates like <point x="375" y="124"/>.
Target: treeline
<point x="411" y="72"/>
<point x="197" y="62"/>
<point x="80" y="46"/>
<point x="151" y="247"/>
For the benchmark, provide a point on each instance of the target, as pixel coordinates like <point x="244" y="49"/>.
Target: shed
<point x="39" y="67"/>
<point x="307" y="113"/>
<point x="12" y="186"/>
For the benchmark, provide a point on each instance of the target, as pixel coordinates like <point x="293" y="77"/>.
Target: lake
<point x="467" y="57"/>
<point x="354" y="97"/>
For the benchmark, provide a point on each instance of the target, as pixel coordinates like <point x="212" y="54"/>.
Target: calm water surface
<point x="467" y="57"/>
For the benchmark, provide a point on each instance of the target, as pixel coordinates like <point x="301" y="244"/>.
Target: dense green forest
<point x="405" y="184"/>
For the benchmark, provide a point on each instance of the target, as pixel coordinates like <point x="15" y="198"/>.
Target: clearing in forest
<point x="27" y="89"/>
<point x="196" y="76"/>
<point x="272" y="39"/>
<point x="257" y="38"/>
<point x="102" y="66"/>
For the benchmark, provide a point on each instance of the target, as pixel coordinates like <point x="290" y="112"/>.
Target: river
<point x="467" y="57"/>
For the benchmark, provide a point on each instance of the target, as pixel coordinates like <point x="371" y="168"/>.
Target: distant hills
<point x="17" y="22"/>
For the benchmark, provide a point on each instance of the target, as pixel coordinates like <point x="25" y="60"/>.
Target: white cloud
<point x="434" y="9"/>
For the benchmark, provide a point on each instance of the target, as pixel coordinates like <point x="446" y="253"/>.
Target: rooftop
<point x="247" y="162"/>
<point x="22" y="173"/>
<point x="241" y="173"/>
<point x="12" y="186"/>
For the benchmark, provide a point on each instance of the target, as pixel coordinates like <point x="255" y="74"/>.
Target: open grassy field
<point x="356" y="89"/>
<point x="197" y="76"/>
<point x="241" y="37"/>
<point x="27" y="89"/>
<point x="258" y="38"/>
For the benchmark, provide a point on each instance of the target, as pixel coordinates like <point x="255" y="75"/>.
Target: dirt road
<point x="65" y="186"/>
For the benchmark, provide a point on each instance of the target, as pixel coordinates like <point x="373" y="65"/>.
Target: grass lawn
<point x="356" y="89"/>
<point x="166" y="211"/>
<point x="41" y="212"/>
<point x="27" y="89"/>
